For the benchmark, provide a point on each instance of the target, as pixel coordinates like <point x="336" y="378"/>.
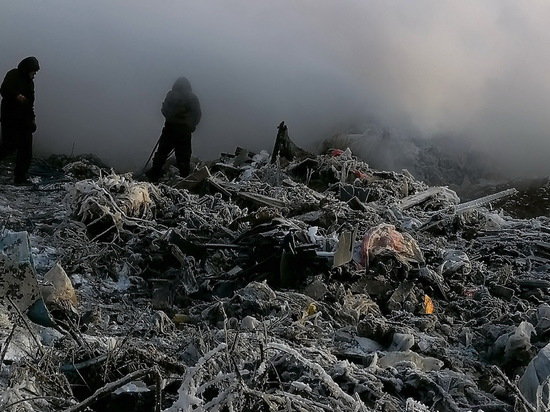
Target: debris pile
<point x="289" y="281"/>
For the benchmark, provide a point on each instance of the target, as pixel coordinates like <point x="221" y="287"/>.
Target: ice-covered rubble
<point x="233" y="301"/>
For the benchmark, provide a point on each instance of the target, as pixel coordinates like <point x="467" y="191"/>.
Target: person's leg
<point x="183" y="152"/>
<point x="8" y="144"/>
<point x="24" y="155"/>
<point x="161" y="155"/>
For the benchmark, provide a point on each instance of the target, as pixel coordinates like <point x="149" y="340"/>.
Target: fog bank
<point x="470" y="68"/>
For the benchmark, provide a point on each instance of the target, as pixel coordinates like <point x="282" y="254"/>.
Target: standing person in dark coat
<point x="17" y="116"/>
<point x="182" y="111"/>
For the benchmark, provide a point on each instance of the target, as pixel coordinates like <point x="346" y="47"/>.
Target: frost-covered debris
<point x="226" y="297"/>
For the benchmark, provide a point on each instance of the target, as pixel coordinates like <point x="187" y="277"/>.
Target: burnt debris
<point x="311" y="283"/>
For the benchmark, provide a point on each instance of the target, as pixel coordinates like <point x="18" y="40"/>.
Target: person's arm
<point x="9" y="89"/>
<point x="196" y="111"/>
<point x="167" y="108"/>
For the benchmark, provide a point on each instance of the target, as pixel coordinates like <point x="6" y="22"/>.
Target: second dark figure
<point x="182" y="112"/>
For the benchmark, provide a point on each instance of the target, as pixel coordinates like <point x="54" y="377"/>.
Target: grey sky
<point x="467" y="67"/>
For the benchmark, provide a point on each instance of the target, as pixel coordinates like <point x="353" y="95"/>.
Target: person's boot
<point x="153" y="175"/>
<point x="21" y="181"/>
<point x="184" y="170"/>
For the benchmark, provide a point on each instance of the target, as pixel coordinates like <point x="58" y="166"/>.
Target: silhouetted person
<point x="17" y="116"/>
<point x="182" y="111"/>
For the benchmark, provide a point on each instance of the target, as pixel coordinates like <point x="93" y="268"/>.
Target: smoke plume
<point x="479" y="70"/>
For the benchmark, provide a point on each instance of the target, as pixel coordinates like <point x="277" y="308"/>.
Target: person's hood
<point x="181" y="85"/>
<point x="29" y="64"/>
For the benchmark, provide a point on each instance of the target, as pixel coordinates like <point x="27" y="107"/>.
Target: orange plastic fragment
<point x="428" y="305"/>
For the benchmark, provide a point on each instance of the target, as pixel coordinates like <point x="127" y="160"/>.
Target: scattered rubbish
<point x="57" y="288"/>
<point x="384" y="238"/>
<point x="344" y="251"/>
<point x="18" y="283"/>
<point x="266" y="282"/>
<point x="428" y="305"/>
<point x="534" y="382"/>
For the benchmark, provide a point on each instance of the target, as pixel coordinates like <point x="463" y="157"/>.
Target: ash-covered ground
<point x="316" y="283"/>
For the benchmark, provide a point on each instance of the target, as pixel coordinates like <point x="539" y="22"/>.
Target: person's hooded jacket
<point x="16" y="82"/>
<point x="181" y="106"/>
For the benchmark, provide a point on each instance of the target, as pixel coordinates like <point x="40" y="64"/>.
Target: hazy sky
<point x="467" y="67"/>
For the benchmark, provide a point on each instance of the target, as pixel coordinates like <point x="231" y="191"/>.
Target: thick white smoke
<point x="470" y="68"/>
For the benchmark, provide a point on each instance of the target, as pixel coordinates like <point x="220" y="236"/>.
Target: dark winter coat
<point x="16" y="82"/>
<point x="181" y="106"/>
